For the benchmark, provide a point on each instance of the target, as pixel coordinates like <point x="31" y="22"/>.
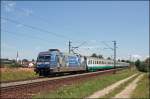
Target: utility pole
<point x="114" y="49"/>
<point x="114" y="56"/>
<point x="130" y="61"/>
<point x="17" y="57"/>
<point x="69" y="47"/>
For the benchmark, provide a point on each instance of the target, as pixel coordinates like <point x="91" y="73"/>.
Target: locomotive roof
<point x="45" y="52"/>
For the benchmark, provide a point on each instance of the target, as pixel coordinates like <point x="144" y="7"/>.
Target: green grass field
<point x="84" y="89"/>
<point x="11" y="74"/>
<point x="142" y="89"/>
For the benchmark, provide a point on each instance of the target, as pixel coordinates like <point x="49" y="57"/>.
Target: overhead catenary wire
<point x="29" y="36"/>
<point x="38" y="17"/>
<point x="107" y="46"/>
<point x="38" y="29"/>
<point x="35" y="28"/>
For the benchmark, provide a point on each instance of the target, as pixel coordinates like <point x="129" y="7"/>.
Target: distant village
<point x="5" y="62"/>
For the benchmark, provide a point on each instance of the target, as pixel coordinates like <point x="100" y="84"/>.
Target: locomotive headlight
<point x="39" y="63"/>
<point x="47" y="62"/>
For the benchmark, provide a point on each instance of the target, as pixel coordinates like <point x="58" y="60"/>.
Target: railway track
<point x="20" y="80"/>
<point x="26" y="89"/>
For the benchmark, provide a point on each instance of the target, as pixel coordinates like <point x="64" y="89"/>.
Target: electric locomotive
<point x="54" y="61"/>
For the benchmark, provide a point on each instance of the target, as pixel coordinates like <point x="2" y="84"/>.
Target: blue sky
<point x="91" y="22"/>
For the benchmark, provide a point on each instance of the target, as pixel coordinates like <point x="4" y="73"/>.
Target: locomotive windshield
<point x="43" y="58"/>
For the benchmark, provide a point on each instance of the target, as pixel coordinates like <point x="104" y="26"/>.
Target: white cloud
<point x="19" y="25"/>
<point x="3" y="21"/>
<point x="147" y="56"/>
<point x="136" y="56"/>
<point x="93" y="41"/>
<point x="27" y="12"/>
<point x="9" y="6"/>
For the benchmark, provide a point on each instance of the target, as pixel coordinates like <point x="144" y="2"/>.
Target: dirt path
<point x="109" y="88"/>
<point x="129" y="89"/>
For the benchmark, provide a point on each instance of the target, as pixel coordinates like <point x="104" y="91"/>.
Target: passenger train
<point x="53" y="61"/>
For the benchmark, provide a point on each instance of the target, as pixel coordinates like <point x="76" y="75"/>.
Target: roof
<point x="45" y="52"/>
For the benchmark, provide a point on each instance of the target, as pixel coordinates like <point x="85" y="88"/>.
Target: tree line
<point x="143" y="66"/>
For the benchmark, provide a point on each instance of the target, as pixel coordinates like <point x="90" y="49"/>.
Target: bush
<point x="142" y="66"/>
<point x="16" y="65"/>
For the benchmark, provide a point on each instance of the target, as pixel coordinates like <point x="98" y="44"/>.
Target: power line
<point x="35" y="28"/>
<point x="37" y="16"/>
<point x="70" y="46"/>
<point x="114" y="55"/>
<point x="29" y="36"/>
<point x="107" y="45"/>
<point x="13" y="34"/>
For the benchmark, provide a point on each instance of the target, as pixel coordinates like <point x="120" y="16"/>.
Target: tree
<point x="108" y="58"/>
<point x="24" y="60"/>
<point x="147" y="60"/>
<point x="94" y="55"/>
<point x="33" y="60"/>
<point x="100" y="56"/>
<point x="137" y="63"/>
<point x="13" y="61"/>
<point x="122" y="60"/>
<point x="142" y="66"/>
<point x="128" y="61"/>
<point x="147" y="65"/>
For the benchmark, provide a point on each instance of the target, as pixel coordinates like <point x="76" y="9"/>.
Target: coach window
<point x="89" y="62"/>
